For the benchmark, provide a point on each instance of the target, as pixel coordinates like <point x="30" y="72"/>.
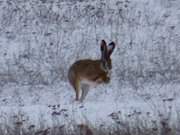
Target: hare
<point x="89" y="73"/>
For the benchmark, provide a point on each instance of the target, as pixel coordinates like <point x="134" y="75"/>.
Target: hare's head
<point x="106" y="51"/>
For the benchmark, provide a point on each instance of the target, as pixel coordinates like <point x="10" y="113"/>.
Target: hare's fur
<point x="89" y="73"/>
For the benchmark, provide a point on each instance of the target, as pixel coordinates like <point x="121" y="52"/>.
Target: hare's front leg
<point x="104" y="78"/>
<point x="85" y="89"/>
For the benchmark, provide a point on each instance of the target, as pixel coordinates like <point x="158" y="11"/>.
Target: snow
<point x="40" y="40"/>
<point x="58" y="102"/>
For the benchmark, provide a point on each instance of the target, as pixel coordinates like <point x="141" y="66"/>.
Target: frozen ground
<point x="55" y="106"/>
<point x="40" y="39"/>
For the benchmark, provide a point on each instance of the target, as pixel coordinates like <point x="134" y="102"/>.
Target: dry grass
<point x="132" y="125"/>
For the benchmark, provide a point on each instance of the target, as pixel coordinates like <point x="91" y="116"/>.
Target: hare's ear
<point x="110" y="48"/>
<point x="104" y="50"/>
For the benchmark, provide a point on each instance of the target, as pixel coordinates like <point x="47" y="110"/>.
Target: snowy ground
<point x="39" y="40"/>
<point x="55" y="105"/>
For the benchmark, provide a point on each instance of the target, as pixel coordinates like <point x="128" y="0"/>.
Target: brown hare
<point x="86" y="73"/>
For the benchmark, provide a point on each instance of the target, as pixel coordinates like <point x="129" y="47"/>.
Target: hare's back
<point x="87" y="68"/>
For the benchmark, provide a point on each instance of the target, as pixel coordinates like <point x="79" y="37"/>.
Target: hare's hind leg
<point x="85" y="89"/>
<point x="77" y="89"/>
<point x="76" y="86"/>
<point x="74" y="81"/>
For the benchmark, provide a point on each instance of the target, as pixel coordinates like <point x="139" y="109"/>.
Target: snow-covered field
<point x="40" y="39"/>
<point x="54" y="106"/>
